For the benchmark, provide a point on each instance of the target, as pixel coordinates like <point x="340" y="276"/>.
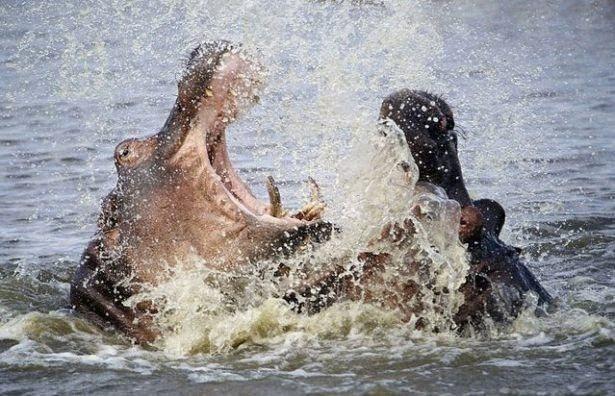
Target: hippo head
<point x="427" y="122"/>
<point x="178" y="197"/>
<point x="177" y="193"/>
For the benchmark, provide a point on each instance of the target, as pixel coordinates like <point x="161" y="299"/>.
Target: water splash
<point x="382" y="212"/>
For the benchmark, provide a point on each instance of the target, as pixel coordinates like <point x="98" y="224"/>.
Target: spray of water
<point x="383" y="212"/>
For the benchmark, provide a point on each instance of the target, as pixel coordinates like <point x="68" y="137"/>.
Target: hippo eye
<point x="123" y="153"/>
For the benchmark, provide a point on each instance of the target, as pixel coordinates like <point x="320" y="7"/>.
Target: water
<point x="532" y="85"/>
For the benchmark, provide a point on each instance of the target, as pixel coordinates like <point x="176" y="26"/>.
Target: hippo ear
<point x="493" y="214"/>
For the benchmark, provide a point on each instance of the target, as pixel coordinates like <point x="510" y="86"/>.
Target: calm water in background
<point x="532" y="85"/>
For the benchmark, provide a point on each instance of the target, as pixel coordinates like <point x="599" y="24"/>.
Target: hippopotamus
<point x="497" y="282"/>
<point x="498" y="279"/>
<point x="177" y="195"/>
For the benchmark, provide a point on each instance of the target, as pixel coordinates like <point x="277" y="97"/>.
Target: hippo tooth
<point x="274" y="198"/>
<point x="314" y="190"/>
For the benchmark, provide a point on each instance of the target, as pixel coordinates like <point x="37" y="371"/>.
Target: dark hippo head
<point x="427" y="122"/>
<point x="498" y="280"/>
<point x="178" y="196"/>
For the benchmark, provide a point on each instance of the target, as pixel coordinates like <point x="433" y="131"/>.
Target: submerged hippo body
<point x="177" y="196"/>
<point x="498" y="280"/>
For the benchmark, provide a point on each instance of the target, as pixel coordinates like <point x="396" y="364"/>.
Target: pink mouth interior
<point x="219" y="159"/>
<point x="230" y="90"/>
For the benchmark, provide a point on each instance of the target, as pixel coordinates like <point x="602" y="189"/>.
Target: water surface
<point x="532" y="86"/>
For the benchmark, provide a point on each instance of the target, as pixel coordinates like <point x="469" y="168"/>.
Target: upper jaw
<point x="219" y="79"/>
<point x="220" y="83"/>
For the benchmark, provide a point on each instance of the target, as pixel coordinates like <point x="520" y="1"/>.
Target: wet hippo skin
<point x="498" y="280"/>
<point x="177" y="197"/>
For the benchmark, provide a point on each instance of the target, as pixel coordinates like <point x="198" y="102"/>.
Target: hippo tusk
<point x="315" y="195"/>
<point x="274" y="198"/>
<point x="315" y="208"/>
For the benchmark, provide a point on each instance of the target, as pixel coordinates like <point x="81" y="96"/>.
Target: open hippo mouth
<point x="178" y="197"/>
<point x="219" y="83"/>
